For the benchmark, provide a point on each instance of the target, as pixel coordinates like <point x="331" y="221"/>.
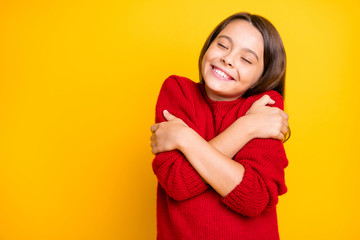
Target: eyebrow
<point x="246" y="49"/>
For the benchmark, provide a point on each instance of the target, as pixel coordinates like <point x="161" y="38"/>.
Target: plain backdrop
<point x="79" y="81"/>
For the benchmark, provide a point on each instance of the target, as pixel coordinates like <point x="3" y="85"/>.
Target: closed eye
<point x="221" y="45"/>
<point x="246" y="60"/>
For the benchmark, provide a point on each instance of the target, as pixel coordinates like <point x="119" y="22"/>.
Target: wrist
<point x="248" y="128"/>
<point x="185" y="140"/>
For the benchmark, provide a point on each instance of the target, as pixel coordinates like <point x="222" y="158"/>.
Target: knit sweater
<point x="188" y="208"/>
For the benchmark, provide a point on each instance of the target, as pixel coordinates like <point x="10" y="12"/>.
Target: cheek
<point x="210" y="57"/>
<point x="260" y="73"/>
<point x="252" y="75"/>
<point x="210" y="53"/>
<point x="203" y="66"/>
<point x="204" y="62"/>
<point x="257" y="72"/>
<point x="205" y="58"/>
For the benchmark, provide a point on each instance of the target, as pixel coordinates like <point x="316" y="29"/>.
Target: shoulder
<point x="279" y="101"/>
<point x="179" y="88"/>
<point x="175" y="82"/>
<point x="178" y="95"/>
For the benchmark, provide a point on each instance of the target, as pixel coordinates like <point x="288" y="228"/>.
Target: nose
<point x="226" y="60"/>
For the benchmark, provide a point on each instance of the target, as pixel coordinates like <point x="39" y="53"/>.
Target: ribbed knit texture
<point x="187" y="208"/>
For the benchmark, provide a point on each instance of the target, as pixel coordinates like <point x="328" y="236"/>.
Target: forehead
<point x="243" y="34"/>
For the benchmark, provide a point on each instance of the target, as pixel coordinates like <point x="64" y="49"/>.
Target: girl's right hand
<point x="267" y="122"/>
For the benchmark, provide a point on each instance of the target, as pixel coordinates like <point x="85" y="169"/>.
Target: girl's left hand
<point x="169" y="135"/>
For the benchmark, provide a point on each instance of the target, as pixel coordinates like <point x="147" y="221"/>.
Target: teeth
<point x="221" y="73"/>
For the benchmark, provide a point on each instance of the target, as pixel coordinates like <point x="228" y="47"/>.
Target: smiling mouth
<point x="221" y="74"/>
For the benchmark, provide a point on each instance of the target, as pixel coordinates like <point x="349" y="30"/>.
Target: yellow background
<point x="78" y="86"/>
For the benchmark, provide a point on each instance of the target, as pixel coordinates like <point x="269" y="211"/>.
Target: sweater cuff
<point x="193" y="181"/>
<point x="248" y="197"/>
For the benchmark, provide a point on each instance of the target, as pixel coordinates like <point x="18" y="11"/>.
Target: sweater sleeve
<point x="174" y="173"/>
<point x="264" y="161"/>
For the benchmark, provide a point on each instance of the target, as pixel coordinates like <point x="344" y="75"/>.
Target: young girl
<point x="219" y="156"/>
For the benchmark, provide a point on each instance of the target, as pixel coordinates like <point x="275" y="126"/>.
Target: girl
<point x="219" y="156"/>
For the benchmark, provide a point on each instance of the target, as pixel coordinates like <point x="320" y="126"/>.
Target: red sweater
<point x="187" y="208"/>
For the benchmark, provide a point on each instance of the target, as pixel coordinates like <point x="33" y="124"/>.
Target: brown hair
<point x="273" y="76"/>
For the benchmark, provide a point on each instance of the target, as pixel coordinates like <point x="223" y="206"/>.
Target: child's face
<point x="233" y="62"/>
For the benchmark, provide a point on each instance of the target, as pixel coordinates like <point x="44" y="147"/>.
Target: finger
<point x="286" y="123"/>
<point x="154" y="127"/>
<point x="153" y="150"/>
<point x="284" y="115"/>
<point x="264" y="100"/>
<point x="168" y="116"/>
<point x="284" y="130"/>
<point x="280" y="136"/>
<point x="152" y="137"/>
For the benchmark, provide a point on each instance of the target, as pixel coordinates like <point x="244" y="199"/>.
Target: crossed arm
<point x="214" y="162"/>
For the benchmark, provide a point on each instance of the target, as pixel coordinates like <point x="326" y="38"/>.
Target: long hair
<point x="273" y="76"/>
